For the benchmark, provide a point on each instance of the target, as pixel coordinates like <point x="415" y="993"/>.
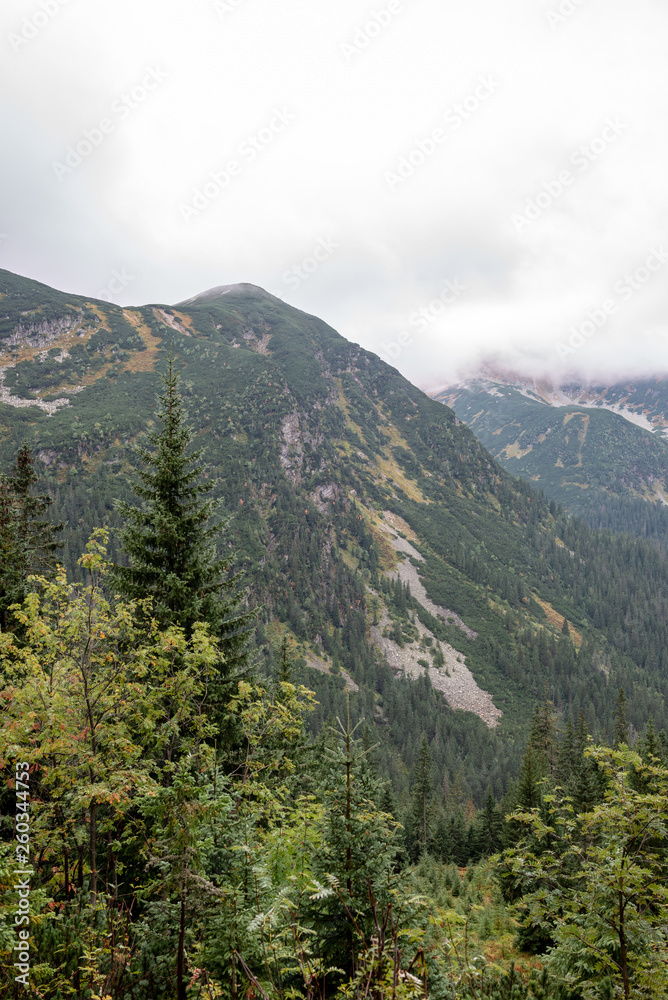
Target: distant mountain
<point x="600" y="450"/>
<point x="409" y="567"/>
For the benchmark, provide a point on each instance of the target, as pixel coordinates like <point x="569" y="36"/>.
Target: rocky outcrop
<point x="323" y="496"/>
<point x="414" y="659"/>
<point x="292" y="450"/>
<point x="42" y="334"/>
<point x="322" y="667"/>
<point x="407" y="573"/>
<point x="257" y="342"/>
<point x="454" y="678"/>
<point x="19" y="403"/>
<point x="170" y="320"/>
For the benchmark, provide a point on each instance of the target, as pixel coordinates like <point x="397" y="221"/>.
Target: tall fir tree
<point x="171" y="538"/>
<point x="490" y="828"/>
<point x="11" y="561"/>
<point x="621" y="733"/>
<point x="542" y="740"/>
<point x="648" y="745"/>
<point x="566" y="755"/>
<point x="530" y="780"/>
<point x="540" y="757"/>
<point x="420" y="823"/>
<point x="585" y="785"/>
<point x="360" y="849"/>
<point x="27" y="537"/>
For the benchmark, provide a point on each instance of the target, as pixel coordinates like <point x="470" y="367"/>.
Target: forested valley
<point x="302" y="694"/>
<point x="184" y="819"/>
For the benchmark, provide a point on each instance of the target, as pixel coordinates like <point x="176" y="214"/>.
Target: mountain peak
<point x="241" y="287"/>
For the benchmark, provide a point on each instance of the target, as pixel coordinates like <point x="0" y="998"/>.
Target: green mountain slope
<point x="408" y="565"/>
<point x="599" y="464"/>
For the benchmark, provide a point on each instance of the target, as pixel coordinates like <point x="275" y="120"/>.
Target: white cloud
<point x="323" y="177"/>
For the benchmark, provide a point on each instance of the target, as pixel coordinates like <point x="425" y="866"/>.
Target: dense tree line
<point x="199" y="826"/>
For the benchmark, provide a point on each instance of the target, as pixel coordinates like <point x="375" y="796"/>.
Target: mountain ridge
<point x="622" y="397"/>
<point x="372" y="525"/>
<point x="618" y="454"/>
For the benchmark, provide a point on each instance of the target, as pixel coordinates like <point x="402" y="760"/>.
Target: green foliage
<point x="163" y="866"/>
<point x="27" y="544"/>
<point x="421" y="819"/>
<point x="170" y="540"/>
<point x="106" y="711"/>
<point x="595" y="882"/>
<point x="294" y="419"/>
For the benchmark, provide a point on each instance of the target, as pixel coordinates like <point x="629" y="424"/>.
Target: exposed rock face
<point x="291" y="456"/>
<point x="324" y="495"/>
<point x="407" y="573"/>
<point x="292" y="449"/>
<point x="171" y="321"/>
<point x="19" y="403"/>
<point x="454" y="678"/>
<point x="42" y="334"/>
<point x="257" y="341"/>
<point x="316" y="663"/>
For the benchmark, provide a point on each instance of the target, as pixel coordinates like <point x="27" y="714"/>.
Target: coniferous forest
<point x="333" y="500"/>
<point x="190" y="811"/>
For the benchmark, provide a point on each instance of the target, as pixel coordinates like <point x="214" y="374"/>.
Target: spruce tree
<point x="585" y="784"/>
<point x="171" y="538"/>
<point x="359" y="850"/>
<point x="27" y="543"/>
<point x="540" y="757"/>
<point x="421" y="801"/>
<point x="542" y="740"/>
<point x="566" y="757"/>
<point x="621" y="733"/>
<point x="649" y="746"/>
<point x="531" y="777"/>
<point x="11" y="561"/>
<point x="490" y="828"/>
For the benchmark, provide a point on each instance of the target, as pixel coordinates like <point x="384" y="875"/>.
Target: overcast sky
<point x="445" y="183"/>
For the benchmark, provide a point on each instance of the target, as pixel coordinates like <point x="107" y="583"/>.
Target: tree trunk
<point x="93" y="853"/>
<point x="623" y="948"/>
<point x="66" y="869"/>
<point x="80" y="852"/>
<point x="180" y="958"/>
<point x="234" y="977"/>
